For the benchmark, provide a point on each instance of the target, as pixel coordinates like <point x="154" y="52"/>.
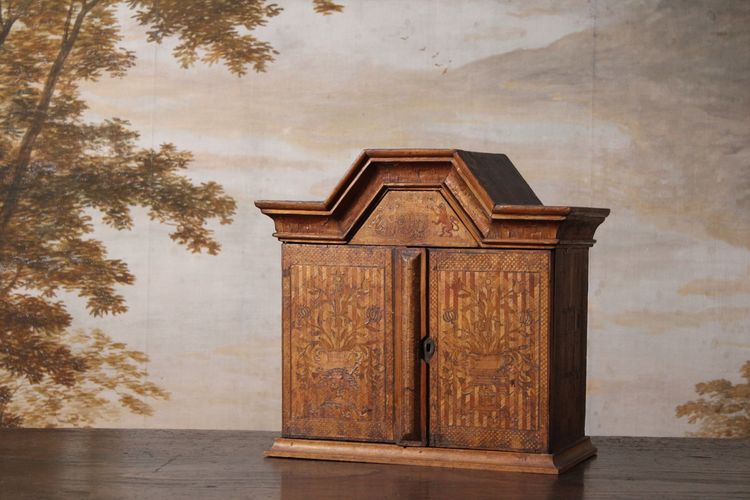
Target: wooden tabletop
<point x="159" y="464"/>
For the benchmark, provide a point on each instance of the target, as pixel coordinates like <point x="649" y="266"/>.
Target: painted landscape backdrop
<point x="140" y="287"/>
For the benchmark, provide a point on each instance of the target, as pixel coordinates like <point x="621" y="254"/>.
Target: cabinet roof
<point x="486" y="190"/>
<point x="499" y="178"/>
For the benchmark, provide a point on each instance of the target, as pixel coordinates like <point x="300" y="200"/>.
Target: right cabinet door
<point x="489" y="318"/>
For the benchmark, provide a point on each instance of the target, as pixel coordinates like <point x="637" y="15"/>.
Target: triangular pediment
<point x="432" y="197"/>
<point x="411" y="217"/>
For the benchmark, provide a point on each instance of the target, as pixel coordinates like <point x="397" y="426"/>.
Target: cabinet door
<point x="489" y="318"/>
<point x="338" y="360"/>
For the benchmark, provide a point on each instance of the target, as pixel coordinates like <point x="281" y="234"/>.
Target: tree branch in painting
<point x="57" y="172"/>
<point x="100" y="376"/>
<point x="723" y="411"/>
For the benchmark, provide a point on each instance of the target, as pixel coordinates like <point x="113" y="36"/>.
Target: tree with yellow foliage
<point x="56" y="170"/>
<point x="723" y="411"/>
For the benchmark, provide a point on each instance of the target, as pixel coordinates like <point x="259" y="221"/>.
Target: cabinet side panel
<point x="568" y="348"/>
<point x="489" y="316"/>
<point x="338" y="343"/>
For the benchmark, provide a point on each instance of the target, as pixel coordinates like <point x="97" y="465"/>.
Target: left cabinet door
<point x="337" y="342"/>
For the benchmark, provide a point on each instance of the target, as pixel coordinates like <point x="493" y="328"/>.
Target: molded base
<point x="509" y="461"/>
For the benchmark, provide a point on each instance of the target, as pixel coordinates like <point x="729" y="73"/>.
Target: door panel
<point x="489" y="316"/>
<point x="338" y="338"/>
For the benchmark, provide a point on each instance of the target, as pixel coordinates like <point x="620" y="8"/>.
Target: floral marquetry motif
<point x="338" y="343"/>
<point x="489" y="320"/>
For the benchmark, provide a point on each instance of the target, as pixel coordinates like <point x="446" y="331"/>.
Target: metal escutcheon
<point x="428" y="349"/>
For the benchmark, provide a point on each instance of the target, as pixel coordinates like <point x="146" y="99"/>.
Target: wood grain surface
<point x="164" y="464"/>
<point x="383" y="453"/>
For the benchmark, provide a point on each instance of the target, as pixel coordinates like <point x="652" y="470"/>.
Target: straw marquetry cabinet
<point x="434" y="313"/>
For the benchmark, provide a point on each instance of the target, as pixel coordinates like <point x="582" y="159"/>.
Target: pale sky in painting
<point x="635" y="107"/>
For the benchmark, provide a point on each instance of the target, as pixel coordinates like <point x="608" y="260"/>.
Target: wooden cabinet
<point x="434" y="312"/>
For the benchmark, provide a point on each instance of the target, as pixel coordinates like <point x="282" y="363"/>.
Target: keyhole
<point x="428" y="349"/>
